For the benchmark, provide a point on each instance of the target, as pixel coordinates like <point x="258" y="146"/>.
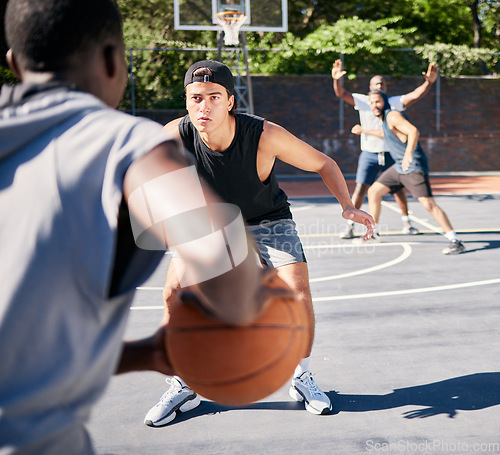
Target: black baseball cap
<point x="221" y="74"/>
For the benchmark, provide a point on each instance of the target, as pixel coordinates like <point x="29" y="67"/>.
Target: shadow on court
<point x="466" y="393"/>
<point x="207" y="408"/>
<point x="487" y="245"/>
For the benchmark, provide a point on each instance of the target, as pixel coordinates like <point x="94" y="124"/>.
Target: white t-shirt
<point x="368" y="121"/>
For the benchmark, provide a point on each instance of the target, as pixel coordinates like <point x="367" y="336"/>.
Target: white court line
<point x="298" y="209"/>
<point x="447" y="287"/>
<point x="406" y="247"/>
<point x="406" y="253"/>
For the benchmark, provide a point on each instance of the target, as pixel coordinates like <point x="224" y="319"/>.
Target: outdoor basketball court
<point x="407" y="339"/>
<point x="407" y="343"/>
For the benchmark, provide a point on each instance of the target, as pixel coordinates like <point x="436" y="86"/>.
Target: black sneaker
<point x="455" y="247"/>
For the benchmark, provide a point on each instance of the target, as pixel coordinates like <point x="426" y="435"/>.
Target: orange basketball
<point x="236" y="365"/>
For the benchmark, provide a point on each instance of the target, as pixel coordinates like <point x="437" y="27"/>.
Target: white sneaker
<point x="409" y="229"/>
<point x="455" y="247"/>
<point x="176" y="398"/>
<point x="348" y="232"/>
<point x="304" y="388"/>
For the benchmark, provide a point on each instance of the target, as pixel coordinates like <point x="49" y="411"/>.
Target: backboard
<point x="262" y="15"/>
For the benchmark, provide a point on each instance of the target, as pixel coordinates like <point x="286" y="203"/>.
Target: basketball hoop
<point x="231" y="22"/>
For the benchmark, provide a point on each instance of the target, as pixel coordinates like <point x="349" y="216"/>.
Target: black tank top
<point x="233" y="173"/>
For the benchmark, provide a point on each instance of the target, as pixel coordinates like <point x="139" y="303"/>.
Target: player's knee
<point x="374" y="192"/>
<point x="428" y="203"/>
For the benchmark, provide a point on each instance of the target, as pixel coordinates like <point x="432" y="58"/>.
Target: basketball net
<point x="231" y="22"/>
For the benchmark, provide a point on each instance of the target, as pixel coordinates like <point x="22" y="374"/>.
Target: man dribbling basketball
<point x="70" y="164"/>
<point x="236" y="154"/>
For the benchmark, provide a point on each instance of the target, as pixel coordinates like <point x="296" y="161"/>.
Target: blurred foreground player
<point x="71" y="169"/>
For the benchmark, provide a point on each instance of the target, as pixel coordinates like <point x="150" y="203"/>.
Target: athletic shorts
<point x="370" y="165"/>
<point x="277" y="242"/>
<point x="417" y="183"/>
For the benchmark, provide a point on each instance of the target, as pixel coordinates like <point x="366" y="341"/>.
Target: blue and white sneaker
<point x="455" y="247"/>
<point x="304" y="388"/>
<point x="176" y="399"/>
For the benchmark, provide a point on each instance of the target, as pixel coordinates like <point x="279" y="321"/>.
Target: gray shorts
<point x="277" y="242"/>
<point x="417" y="183"/>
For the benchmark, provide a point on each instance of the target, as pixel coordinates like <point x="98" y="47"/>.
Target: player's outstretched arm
<point x="147" y="354"/>
<point x="277" y="142"/>
<point x="417" y="94"/>
<point x="340" y="91"/>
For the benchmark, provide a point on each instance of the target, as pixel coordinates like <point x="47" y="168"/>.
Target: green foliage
<point x="447" y="21"/>
<point x="158" y="76"/>
<point x="158" y="73"/>
<point x="489" y="11"/>
<point x="368" y="47"/>
<point x="367" y="33"/>
<point x="7" y="76"/>
<point x="455" y="60"/>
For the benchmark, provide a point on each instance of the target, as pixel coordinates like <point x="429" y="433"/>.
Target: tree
<point x="489" y="16"/>
<point x="476" y="23"/>
<point x="370" y="47"/>
<point x="158" y="73"/>
<point x="460" y="33"/>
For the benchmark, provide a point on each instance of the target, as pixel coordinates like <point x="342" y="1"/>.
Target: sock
<point x="451" y="235"/>
<point x="375" y="230"/>
<point x="350" y="222"/>
<point x="302" y="367"/>
<point x="406" y="219"/>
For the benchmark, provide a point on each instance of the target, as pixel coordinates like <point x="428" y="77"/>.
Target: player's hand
<point x="407" y="159"/>
<point x="337" y="72"/>
<point x="356" y="129"/>
<point x="361" y="217"/>
<point x="431" y="74"/>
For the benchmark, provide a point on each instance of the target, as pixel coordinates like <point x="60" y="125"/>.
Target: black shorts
<point x="417" y="183"/>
